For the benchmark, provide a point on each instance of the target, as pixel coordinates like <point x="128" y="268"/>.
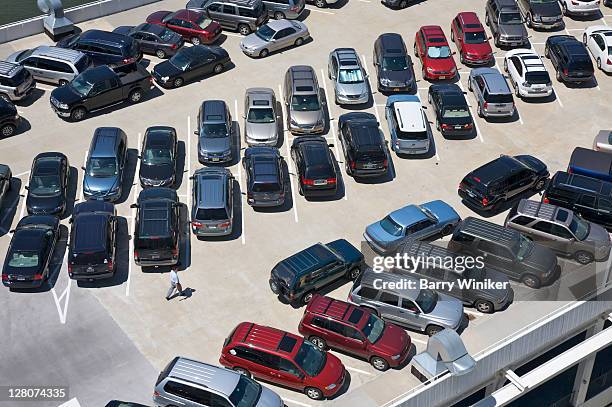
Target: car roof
<point x="304" y="79"/>
<point x="434" y="34"/>
<point x="369" y="277"/>
<point x="493" y="170"/>
<point x="159" y="136"/>
<point x="408" y="215"/>
<point x="211" y="188"/>
<point x="267" y="338"/>
<point x="416" y="249"/>
<point x="488" y="230"/>
<point x="408" y="112"/>
<point x="243" y="3"/>
<point x="393" y="44"/>
<point x="150" y="28"/>
<point x="205" y="375"/>
<point x="155" y="218"/>
<point x="212" y="110"/>
<point x="9" y="68"/>
<point x="545" y="211"/>
<point x="347" y="56"/>
<point x="185" y="14"/>
<point x="335" y="309"/>
<point x="105" y="141"/>
<point x="93" y="206"/>
<point x="531" y="61"/>
<point x="582" y="182"/>
<point x="89" y="232"/>
<point x="277" y="25"/>
<point x="29" y="239"/>
<point x="309" y="259"/>
<point x="106" y="37"/>
<point x="470" y="21"/>
<point x="261" y="95"/>
<point x="365" y="134"/>
<point x="47" y="164"/>
<point x="494" y="80"/>
<point x="594" y="160"/>
<point x="265" y="168"/>
<point x="64" y="54"/>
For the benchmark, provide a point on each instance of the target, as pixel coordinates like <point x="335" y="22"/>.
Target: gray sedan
<point x="275" y="35"/>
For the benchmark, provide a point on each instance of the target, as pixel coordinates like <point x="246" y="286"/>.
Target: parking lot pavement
<point x="229" y="277"/>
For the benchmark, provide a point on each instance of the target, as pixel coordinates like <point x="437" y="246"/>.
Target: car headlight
<point x="62" y="105"/>
<point x="115" y="188"/>
<point x="16" y="116"/>
<point x="164" y="78"/>
<point x="227" y="153"/>
<point x="330" y="387"/>
<point x="429" y="69"/>
<point x="385" y="81"/>
<point x="537" y="18"/>
<point x="454" y="70"/>
<point x="395" y="357"/>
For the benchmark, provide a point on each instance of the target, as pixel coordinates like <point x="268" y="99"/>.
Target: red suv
<point x="283" y="358"/>
<point x="190" y="24"/>
<point x="471" y="40"/>
<point x="342" y="326"/>
<point x="431" y="47"/>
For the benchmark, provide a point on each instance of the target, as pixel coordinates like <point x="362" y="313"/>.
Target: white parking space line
<point x="242" y="235"/>
<point x="558" y="99"/>
<point x="188" y="153"/>
<point x="132" y="225"/>
<point x="352" y="369"/>
<point x="520" y="119"/>
<point x="71" y="403"/>
<point x="319" y="11"/>
<point x="23" y="204"/>
<point x="232" y="34"/>
<point x="365" y="64"/>
<point x="21" y="174"/>
<point x="473" y="117"/>
<point x="574" y="29"/>
<point x="474" y="313"/>
<point x="421" y="341"/>
<point x="289" y="161"/>
<point x="81" y="196"/>
<point x="296" y="402"/>
<point x="66" y="293"/>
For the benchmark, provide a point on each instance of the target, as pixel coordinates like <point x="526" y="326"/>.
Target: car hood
<point x="65" y="94"/>
<point x="541" y="259"/>
<point x="44" y="204"/>
<point x="448" y="311"/>
<point x="402" y="77"/>
<point x="165" y="68"/>
<point x="331" y="372"/>
<point x="156" y="172"/>
<point x="100" y="185"/>
<point x="310" y="117"/>
<point x="598" y="235"/>
<point x="393" y="341"/>
<point x="514" y="30"/>
<point x="253" y="41"/>
<point x="546" y="9"/>
<point x="443" y="211"/>
<point x="441" y="64"/>
<point x="261" y="131"/>
<point x="482" y="49"/>
<point x="214" y="145"/>
<point x="347" y="251"/>
<point x="351" y="88"/>
<point x="157" y="17"/>
<point x="268" y="398"/>
<point x="497" y="277"/>
<point x="379" y="235"/>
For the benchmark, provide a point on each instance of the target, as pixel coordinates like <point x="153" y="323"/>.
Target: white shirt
<point x="174" y="277"/>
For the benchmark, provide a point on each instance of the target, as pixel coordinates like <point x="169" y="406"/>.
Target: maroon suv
<point x="340" y="325"/>
<point x="190" y="24"/>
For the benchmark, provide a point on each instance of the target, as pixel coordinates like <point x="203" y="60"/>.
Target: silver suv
<point x="350" y="84"/>
<point x="212" y="213"/>
<point x="16" y="82"/>
<point x="391" y="297"/>
<point x="190" y="383"/>
<point x="261" y="117"/>
<point x="561" y="230"/>
<point x="492" y="93"/>
<point x="305" y="113"/>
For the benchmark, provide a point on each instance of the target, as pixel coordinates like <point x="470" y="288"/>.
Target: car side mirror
<point x="196" y="132"/>
<point x="330" y="145"/>
<point x="191" y="177"/>
<point x="27" y="187"/>
<point x="489" y="38"/>
<point x="71" y="220"/>
<point x="424" y="107"/>
<point x="454" y="53"/>
<point x="83" y="168"/>
<point x="12" y="231"/>
<point x="134" y="206"/>
<point x="139" y="157"/>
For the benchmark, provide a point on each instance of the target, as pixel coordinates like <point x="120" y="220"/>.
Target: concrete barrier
<point x="89" y="11"/>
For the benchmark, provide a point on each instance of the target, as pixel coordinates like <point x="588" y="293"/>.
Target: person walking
<point x="175" y="284"/>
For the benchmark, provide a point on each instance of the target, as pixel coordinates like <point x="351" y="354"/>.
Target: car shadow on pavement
<point x="24" y="126"/>
<point x="583" y="85"/>
<point x="9" y="206"/>
<point x="323" y="291"/>
<point x="280" y="122"/>
<point x="180" y="166"/>
<point x="129" y="175"/>
<point x="36" y="94"/>
<point x="71" y="198"/>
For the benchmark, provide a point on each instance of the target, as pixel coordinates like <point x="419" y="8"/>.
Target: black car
<point x="5" y="182"/>
<point x="363" y="145"/>
<point x="9" y="118"/>
<point x="92" y="251"/>
<point x="394" y="67"/>
<point x="48" y="184"/>
<point x="264" y="176"/>
<point x="570" y="58"/>
<point x="502" y="180"/>
<point x="453" y="117"/>
<point x="28" y="258"/>
<point x="190" y="63"/>
<point x="156" y="235"/>
<point x="158" y="158"/>
<point x="153" y="39"/>
<point x="315" y="167"/>
<point x="104" y="47"/>
<point x="541" y="13"/>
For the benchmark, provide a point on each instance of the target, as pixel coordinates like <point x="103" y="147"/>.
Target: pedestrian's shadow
<point x="187" y="293"/>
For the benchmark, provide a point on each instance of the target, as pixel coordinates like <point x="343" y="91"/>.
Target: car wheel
<point x="354" y="273"/>
<point x="546" y="52"/>
<point x="448" y="229"/>
<point x="307" y="297"/>
<point x="195" y="41"/>
<point x="403" y="4"/>
<point x="136" y="96"/>
<point x="516" y="90"/>
<point x="78" y="114"/>
<point x="244" y="29"/>
<point x="598" y="63"/>
<point x="486" y="307"/>
<point x="584" y="38"/>
<point x="414" y="48"/>
<point x="531" y="281"/>
<point x="279" y="15"/>
<point x="320" y="3"/>
<point x="318" y="342"/>
<point x="313" y="393"/>
<point x="452" y="35"/>
<point x="178" y="82"/>
<point x="62" y="82"/>
<point x="242" y="371"/>
<point x="469" y="85"/>
<point x="529" y="21"/>
<point x="432" y="329"/>
<point x="438" y="125"/>
<point x="487" y="19"/>
<point x="496" y="40"/>
<point x="583" y="257"/>
<point x="299" y="42"/>
<point x="218" y="68"/>
<point x="264" y="53"/>
<point x="161" y="54"/>
<point x="8" y="130"/>
<point x="379" y="363"/>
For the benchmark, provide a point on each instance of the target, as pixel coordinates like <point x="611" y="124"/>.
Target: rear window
<point x="370" y="155"/>
<point x="212" y="214"/>
<point x="538" y="78"/>
<point x="413" y="135"/>
<point x="154" y="243"/>
<point x="581" y="64"/>
<point x="266" y="187"/>
<point x="499" y="98"/>
<point x="85" y="258"/>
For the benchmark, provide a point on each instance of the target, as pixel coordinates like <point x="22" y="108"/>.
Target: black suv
<point x="104" y="48"/>
<point x="394" y="67"/>
<point x="363" y="145"/>
<point x="506" y="250"/>
<point x="157" y="231"/>
<point x="502" y="180"/>
<point x="93" y="241"/>
<point x="590" y="197"/>
<point x="315" y="167"/>
<point x="264" y="176"/>
<point x="298" y="277"/>
<point x="570" y="59"/>
<point x="9" y="118"/>
<point x="453" y="117"/>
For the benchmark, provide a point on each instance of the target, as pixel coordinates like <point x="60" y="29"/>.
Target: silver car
<point x="492" y="93"/>
<point x="603" y="141"/>
<point x="261" y="118"/>
<point x="305" y="114"/>
<point x="52" y="64"/>
<point x="212" y="211"/>
<point x="273" y="36"/>
<point x="350" y="80"/>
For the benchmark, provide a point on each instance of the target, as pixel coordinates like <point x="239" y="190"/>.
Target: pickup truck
<point x="591" y="163"/>
<point x="100" y="87"/>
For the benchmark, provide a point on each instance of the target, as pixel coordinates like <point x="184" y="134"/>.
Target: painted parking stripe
<point x="421" y="341"/>
<point x="81" y="196"/>
<point x="242" y="236"/>
<point x="352" y="369"/>
<point x="558" y="99"/>
<point x="188" y="153"/>
<point x="319" y="11"/>
<point x="232" y="34"/>
<point x="299" y="403"/>
<point x="474" y="313"/>
<point x="133" y="224"/>
<point x="289" y="161"/>
<point x="23" y="204"/>
<point x="21" y="174"/>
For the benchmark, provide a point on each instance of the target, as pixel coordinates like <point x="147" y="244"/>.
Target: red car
<point x="431" y="47"/>
<point x="471" y="40"/>
<point x="190" y="24"/>
<point x="340" y="325"/>
<point x="283" y="358"/>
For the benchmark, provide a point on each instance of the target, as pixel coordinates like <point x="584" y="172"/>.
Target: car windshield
<point x="157" y="156"/>
<point x="523" y="247"/>
<point x="391" y="227"/>
<point x="427" y="300"/>
<point x="580" y="228"/>
<point x="538" y="78"/>
<point x="265" y="32"/>
<point x="475" y="37"/>
<point x="23" y="259"/>
<point x="214" y="130"/>
<point x="24" y="55"/>
<point x="455" y="112"/>
<point x="166" y="35"/>
<point x="81" y="85"/>
<point x="374" y="328"/>
<point x="350" y="75"/>
<point x="203" y="22"/>
<point x="102" y="167"/>
<point x="310" y="359"/>
<point x="169" y="17"/>
<point x="246" y="393"/>
<point x="261" y="115"/>
<point x="511" y="18"/>
<point x="304" y="103"/>
<point x="181" y="60"/>
<point x="439" y="52"/>
<point x="394" y="64"/>
<point x="45" y="185"/>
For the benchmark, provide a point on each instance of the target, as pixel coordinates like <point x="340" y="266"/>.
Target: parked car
<point x="282" y="358"/>
<point x="261" y="119"/>
<point x="315" y="167"/>
<point x="244" y="16"/>
<point x="561" y="230"/>
<point x="10" y="119"/>
<point x="92" y="250"/>
<point x="52" y="64"/>
<point x="506" y="23"/>
<point x="345" y="70"/>
<point x="273" y="36"/>
<point x="158" y="157"/>
<point x="97" y="88"/>
<point x="527" y="74"/>
<point x="305" y="113"/>
<point x="48" y="185"/>
<point x="492" y="93"/>
<point x="541" y="13"/>
<point x="158" y="227"/>
<point x="153" y="39"/>
<point x="394" y="67"/>
<point x="570" y="59"/>
<point x="6" y="177"/>
<point x="297" y="278"/>
<point x="603" y="141"/>
<point x="471" y="40"/>
<point x="28" y="258"/>
<point x="339" y="325"/>
<point x="431" y="48"/>
<point x="412" y="222"/>
<point x="453" y="117"/>
<point x="198" y="384"/>
<point x="215" y="130"/>
<point x="104" y="47"/>
<point x="265" y="176"/>
<point x="398" y="4"/>
<point x="502" y="180"/>
<point x="392" y="298"/>
<point x="190" y="63"/>
<point x="280" y="9"/>
<point x="363" y="145"/>
<point x="506" y="250"/>
<point x="191" y="25"/>
<point x="579" y="7"/>
<point x="591" y="163"/>
<point x="437" y="265"/>
<point x="598" y="40"/>
<point x="407" y="124"/>
<point x="105" y="165"/>
<point x="212" y="213"/>
<point x="16" y="82"/>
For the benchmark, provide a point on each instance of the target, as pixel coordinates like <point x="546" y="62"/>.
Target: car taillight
<point x="445" y="126"/>
<point x="295" y="8"/>
<point x="609" y="61"/>
<point x="485" y="201"/>
<point x="546" y="200"/>
<point x="461" y="186"/>
<point x="306" y="181"/>
<point x="129" y="60"/>
<point x="569" y="170"/>
<point x="4" y="277"/>
<point x="174" y="46"/>
<point x="150" y="79"/>
<point x="175" y="251"/>
<point x="38" y="276"/>
<point x="224" y="225"/>
<point x="196" y="224"/>
<point x="386" y="163"/>
<point x="575" y="3"/>
<point x="331" y="180"/>
<point x="136" y="254"/>
<point x="565" y="71"/>
<point x="155" y="394"/>
<point x="476" y="179"/>
<point x="249" y="195"/>
<point x="485" y="105"/>
<point x="69" y="268"/>
<point x="109" y="265"/>
<point x="353" y="165"/>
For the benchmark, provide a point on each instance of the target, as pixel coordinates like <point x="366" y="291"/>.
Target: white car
<point x="579" y="7"/>
<point x="598" y="40"/>
<point x="527" y="74"/>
